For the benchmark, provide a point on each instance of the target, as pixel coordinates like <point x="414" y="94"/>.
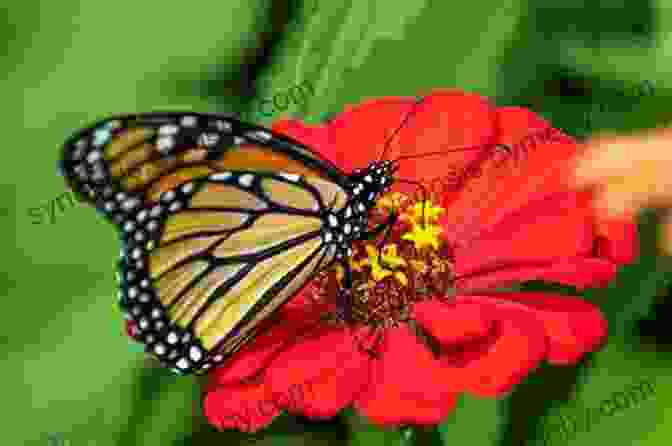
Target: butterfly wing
<point x="130" y="153"/>
<point x="221" y="223"/>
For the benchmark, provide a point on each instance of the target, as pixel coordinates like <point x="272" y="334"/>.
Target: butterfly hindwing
<point x="218" y="283"/>
<point x="221" y="224"/>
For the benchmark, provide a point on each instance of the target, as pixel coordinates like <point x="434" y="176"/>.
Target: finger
<point x="617" y="199"/>
<point x="650" y="184"/>
<point x="600" y="157"/>
<point x="609" y="156"/>
<point x="646" y="188"/>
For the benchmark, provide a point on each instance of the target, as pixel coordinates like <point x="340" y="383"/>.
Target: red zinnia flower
<point x="435" y="325"/>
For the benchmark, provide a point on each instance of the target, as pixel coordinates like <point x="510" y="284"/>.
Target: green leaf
<point x="475" y="421"/>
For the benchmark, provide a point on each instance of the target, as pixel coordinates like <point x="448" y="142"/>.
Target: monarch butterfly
<point x="221" y="223"/>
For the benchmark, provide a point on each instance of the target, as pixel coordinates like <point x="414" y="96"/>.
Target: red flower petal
<point x="514" y="346"/>
<point x="327" y="371"/>
<point x="132" y="330"/>
<point x="579" y="272"/>
<point x="451" y="323"/>
<point x="572" y="326"/>
<point x="248" y="407"/>
<point x="617" y="240"/>
<point x="422" y="394"/>
<point x="523" y="236"/>
<point x="506" y="184"/>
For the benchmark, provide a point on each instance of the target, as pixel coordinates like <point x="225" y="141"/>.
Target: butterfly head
<point x="373" y="181"/>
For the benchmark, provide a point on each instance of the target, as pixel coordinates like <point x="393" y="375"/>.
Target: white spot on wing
<point x="290" y="177"/>
<point x="246" y="180"/>
<point x="187" y="188"/>
<point x="168" y="196"/>
<point x="188" y="121"/>
<point x="94" y="156"/>
<point x="165" y="143"/>
<point x="101" y="136"/>
<point x="168" y="129"/>
<point x="208" y="139"/>
<point x="160" y="349"/>
<point x="222" y="125"/>
<point x="221" y="176"/>
<point x="195" y="353"/>
<point x="152" y="225"/>
<point x="130" y="203"/>
<point x="182" y="364"/>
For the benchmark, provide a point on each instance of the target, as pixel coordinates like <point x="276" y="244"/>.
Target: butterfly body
<point x="221" y="222"/>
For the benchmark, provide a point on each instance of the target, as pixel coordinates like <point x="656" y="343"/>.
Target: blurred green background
<point x="68" y="370"/>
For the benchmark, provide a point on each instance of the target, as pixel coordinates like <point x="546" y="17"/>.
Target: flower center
<point x="411" y="263"/>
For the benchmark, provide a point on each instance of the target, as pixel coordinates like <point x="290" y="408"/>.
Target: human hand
<point x="629" y="173"/>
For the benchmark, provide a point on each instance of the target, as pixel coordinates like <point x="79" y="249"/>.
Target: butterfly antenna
<point x="403" y="122"/>
<point x="460" y="149"/>
<point x="505" y="147"/>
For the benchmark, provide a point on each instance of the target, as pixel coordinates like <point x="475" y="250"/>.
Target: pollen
<point x="424" y="236"/>
<point x="424" y="209"/>
<point x="392" y="201"/>
<point x="408" y="263"/>
<point x="419" y="266"/>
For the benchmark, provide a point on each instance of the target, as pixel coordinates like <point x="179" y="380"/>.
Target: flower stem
<point x="407" y="436"/>
<point x="416" y="435"/>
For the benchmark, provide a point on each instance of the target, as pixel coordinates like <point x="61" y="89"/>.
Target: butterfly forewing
<point x="221" y="224"/>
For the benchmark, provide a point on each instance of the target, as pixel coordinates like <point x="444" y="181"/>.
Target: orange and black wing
<point x="221" y="223"/>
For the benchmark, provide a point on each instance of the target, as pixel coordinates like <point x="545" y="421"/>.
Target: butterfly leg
<point x="345" y="303"/>
<point x="373" y="351"/>
<point x="368" y="347"/>
<point x="387" y="227"/>
<point x="344" y="298"/>
<point x="373" y="233"/>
